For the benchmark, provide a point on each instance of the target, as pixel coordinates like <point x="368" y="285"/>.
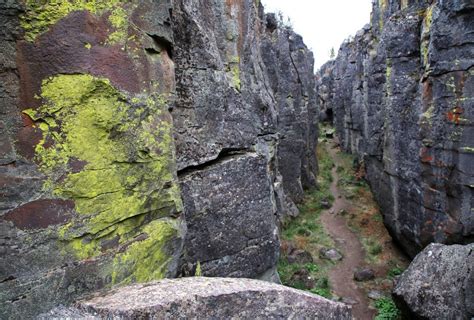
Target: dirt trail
<point x="341" y="276"/>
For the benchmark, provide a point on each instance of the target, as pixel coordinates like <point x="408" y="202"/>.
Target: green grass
<point x="373" y="249"/>
<point x="307" y="231"/>
<point x="323" y="292"/>
<point x="307" y="223"/>
<point x="387" y="310"/>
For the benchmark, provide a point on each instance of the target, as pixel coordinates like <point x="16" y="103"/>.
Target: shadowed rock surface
<point x="206" y="298"/>
<point x="142" y="138"/>
<point x="401" y="94"/>
<point x="439" y="284"/>
<point x="245" y="133"/>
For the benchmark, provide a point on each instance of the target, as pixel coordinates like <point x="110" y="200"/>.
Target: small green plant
<point x="396" y="271"/>
<point x="323" y="292"/>
<point x="311" y="267"/>
<point x="198" y="272"/>
<point x="377" y="217"/>
<point x="323" y="283"/>
<point x="387" y="310"/>
<point x="375" y="249"/>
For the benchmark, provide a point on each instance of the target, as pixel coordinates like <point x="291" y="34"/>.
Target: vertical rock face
<point x="401" y="93"/>
<point x="90" y="195"/>
<point x="140" y="139"/>
<point x="244" y="131"/>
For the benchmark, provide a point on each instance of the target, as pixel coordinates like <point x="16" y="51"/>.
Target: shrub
<point x="387" y="310"/>
<point x="396" y="271"/>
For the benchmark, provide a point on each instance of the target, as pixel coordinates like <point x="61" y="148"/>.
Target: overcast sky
<point x="323" y="23"/>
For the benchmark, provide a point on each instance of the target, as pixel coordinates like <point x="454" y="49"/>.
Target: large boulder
<point x="439" y="284"/>
<point x="205" y="298"/>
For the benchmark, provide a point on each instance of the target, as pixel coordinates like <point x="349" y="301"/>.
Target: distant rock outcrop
<point x="140" y="139"/>
<point x="205" y="298"/>
<point x="439" y="284"/>
<point x="401" y="95"/>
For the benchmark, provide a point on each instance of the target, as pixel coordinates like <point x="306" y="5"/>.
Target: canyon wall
<point x="142" y="139"/>
<point x="400" y="94"/>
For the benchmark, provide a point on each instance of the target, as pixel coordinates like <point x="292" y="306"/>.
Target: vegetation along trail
<point x="341" y="276"/>
<point x="338" y="236"/>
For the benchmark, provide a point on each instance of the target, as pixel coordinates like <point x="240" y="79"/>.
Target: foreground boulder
<point x="205" y="298"/>
<point x="439" y="284"/>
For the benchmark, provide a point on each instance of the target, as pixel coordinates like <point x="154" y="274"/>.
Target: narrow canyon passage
<point x="340" y="233"/>
<point x="341" y="276"/>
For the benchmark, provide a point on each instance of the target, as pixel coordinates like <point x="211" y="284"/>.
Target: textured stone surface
<point x="401" y="94"/>
<point x="192" y="298"/>
<point x="439" y="283"/>
<point x="90" y="195"/>
<point x="245" y="133"/>
<point x="140" y="139"/>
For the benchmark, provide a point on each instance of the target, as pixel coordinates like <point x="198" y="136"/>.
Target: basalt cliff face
<point x="141" y="139"/>
<point x="401" y="96"/>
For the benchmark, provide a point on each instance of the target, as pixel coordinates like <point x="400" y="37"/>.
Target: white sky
<point x="323" y="23"/>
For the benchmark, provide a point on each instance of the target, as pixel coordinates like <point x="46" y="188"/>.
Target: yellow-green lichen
<point x="118" y="19"/>
<point x="425" y="35"/>
<point x="383" y="5"/>
<point x="111" y="154"/>
<point x="467" y="150"/>
<point x="40" y="15"/>
<point x="235" y="69"/>
<point x="404" y="4"/>
<point x="388" y="74"/>
<point x="147" y="258"/>
<point x="427" y="116"/>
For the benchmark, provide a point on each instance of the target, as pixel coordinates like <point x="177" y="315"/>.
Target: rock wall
<point x="141" y="139"/>
<point x="245" y="146"/>
<point x="401" y="92"/>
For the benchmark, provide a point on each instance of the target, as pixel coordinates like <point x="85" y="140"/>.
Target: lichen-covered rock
<point x="439" y="284"/>
<point x="205" y="298"/>
<point x="401" y="93"/>
<point x="140" y="139"/>
<point x="88" y="165"/>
